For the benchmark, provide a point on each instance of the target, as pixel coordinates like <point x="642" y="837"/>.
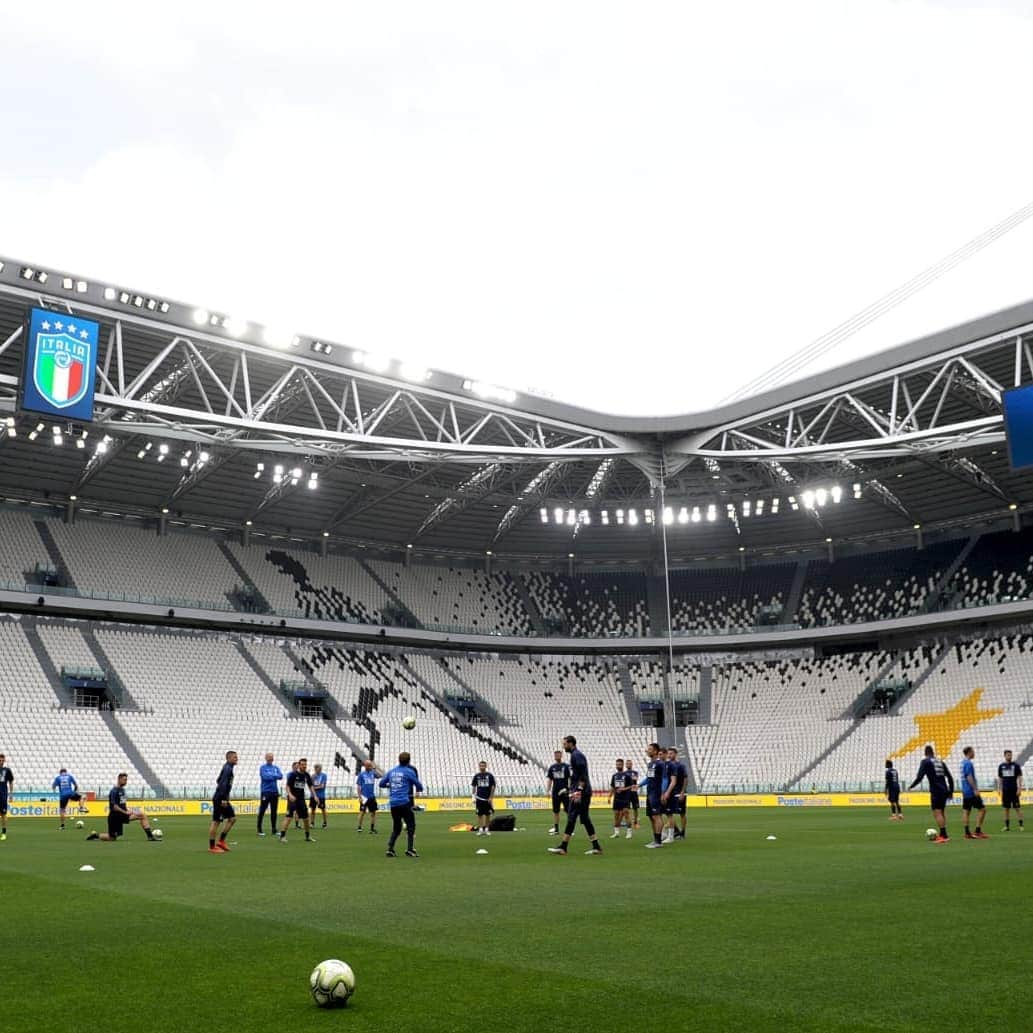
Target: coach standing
<point x="270" y="775"/>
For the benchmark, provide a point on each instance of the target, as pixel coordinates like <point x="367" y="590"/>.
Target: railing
<point x="223" y="606"/>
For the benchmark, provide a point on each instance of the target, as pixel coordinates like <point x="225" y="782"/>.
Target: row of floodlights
<point x="294" y="476"/>
<point x="273" y="337"/>
<point x="811" y="498"/>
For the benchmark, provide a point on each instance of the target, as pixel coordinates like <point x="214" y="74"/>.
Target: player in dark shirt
<point x="620" y="798"/>
<point x="1009" y="784"/>
<point x="6" y="794"/>
<point x="557" y="779"/>
<point x="222" y="810"/>
<point x="299" y="788"/>
<point x="893" y="792"/>
<point x="673" y="798"/>
<point x="121" y="814"/>
<point x="630" y="769"/>
<point x="941" y="789"/>
<point x="580" y="800"/>
<point x="483" y="785"/>
<point x="656" y="768"/>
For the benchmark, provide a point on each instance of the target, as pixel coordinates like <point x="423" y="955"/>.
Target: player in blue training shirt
<point x="941" y="789"/>
<point x="6" y="794"/>
<point x="970" y="798"/>
<point x="580" y="800"/>
<point x="1009" y="784"/>
<point x="557" y="781"/>
<point x="893" y="792"/>
<point x="656" y="766"/>
<point x="633" y="774"/>
<point x="620" y="799"/>
<point x="222" y="810"/>
<point x="67" y="790"/>
<point x="120" y="814"/>
<point x="366" y="784"/>
<point x="483" y="785"/>
<point x="403" y="783"/>
<point x="673" y="797"/>
<point x="318" y="792"/>
<point x="269" y="775"/>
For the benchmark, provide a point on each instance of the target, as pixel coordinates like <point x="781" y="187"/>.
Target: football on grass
<point x="332" y="982"/>
<point x="80" y="824"/>
<point x="931" y="833"/>
<point x="409" y="722"/>
<point x="157" y="833"/>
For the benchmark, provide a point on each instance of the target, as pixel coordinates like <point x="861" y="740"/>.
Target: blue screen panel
<point x="1018" y="426"/>
<point x="60" y="370"/>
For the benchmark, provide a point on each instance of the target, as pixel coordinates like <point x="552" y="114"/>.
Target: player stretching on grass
<point x="580" y="800"/>
<point x="1009" y="782"/>
<point x="941" y="789"/>
<point x="222" y="810"/>
<point x="893" y="792"/>
<point x="970" y="798"/>
<point x="120" y="814"/>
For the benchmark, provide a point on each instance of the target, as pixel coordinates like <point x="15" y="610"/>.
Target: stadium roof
<point x="195" y="412"/>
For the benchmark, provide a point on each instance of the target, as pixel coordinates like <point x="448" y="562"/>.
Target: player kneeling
<point x="120" y="815"/>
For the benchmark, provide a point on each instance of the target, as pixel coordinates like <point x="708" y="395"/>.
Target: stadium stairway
<point x="133" y="755"/>
<point x="705" y="713"/>
<point x="834" y="745"/>
<point x="498" y="740"/>
<point x="32" y="636"/>
<point x="862" y="703"/>
<point x="917" y="683"/>
<point x="260" y="672"/>
<point x="933" y="599"/>
<point x="792" y="603"/>
<point x="529" y="605"/>
<point x="245" y="578"/>
<point x="628" y="693"/>
<point x="126" y="701"/>
<point x="391" y="594"/>
<point x="692" y="786"/>
<point x="50" y="543"/>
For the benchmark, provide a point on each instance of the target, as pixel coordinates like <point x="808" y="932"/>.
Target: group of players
<point x="940" y="781"/>
<point x="568" y="784"/>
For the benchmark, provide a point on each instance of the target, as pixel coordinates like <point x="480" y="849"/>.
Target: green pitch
<point x="845" y="922"/>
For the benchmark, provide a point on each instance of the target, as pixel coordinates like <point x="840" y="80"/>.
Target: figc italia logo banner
<point x="60" y="365"/>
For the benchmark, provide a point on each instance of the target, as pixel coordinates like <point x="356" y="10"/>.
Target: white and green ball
<point x="409" y="722"/>
<point x="332" y="983"/>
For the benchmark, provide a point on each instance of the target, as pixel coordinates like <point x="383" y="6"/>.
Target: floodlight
<point x="278" y="468"/>
<point x="774" y="505"/>
<point x="605" y="518"/>
<point x="585" y="518"/>
<point x="711" y="513"/>
<point x="58" y="440"/>
<point x="683" y="515"/>
<point x="821" y="496"/>
<point x="375" y="363"/>
<point x="109" y="293"/>
<point x="544" y="513"/>
<point x="296" y="472"/>
<point x="9" y="421"/>
<point x="79" y="443"/>
<point x="124" y="297"/>
<point x="277" y="478"/>
<point x="490" y="391"/>
<point x="27" y="272"/>
<point x="632" y="516"/>
<point x="39" y="428"/>
<point x="326" y="534"/>
<point x="836" y="492"/>
<point x="620" y="516"/>
<point x="235" y="326"/>
<point x="745" y="507"/>
<point x="200" y="316"/>
<point x="759" y="511"/>
<point x="140" y="454"/>
<point x="277" y="337"/>
<point x="163" y="307"/>
<point x="557" y="515"/>
<point x="411" y="371"/>
<point x="102" y="447"/>
<point x="312" y="485"/>
<point x="163" y="449"/>
<point x="137" y="301"/>
<point x="571" y="517"/>
<point x="668" y="515"/>
<point x="808" y="499"/>
<point x="204" y="457"/>
<point x="183" y="461"/>
<point x="259" y="467"/>
<point x="66" y="283"/>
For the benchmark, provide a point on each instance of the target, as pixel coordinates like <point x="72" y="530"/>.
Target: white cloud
<point x="637" y="210"/>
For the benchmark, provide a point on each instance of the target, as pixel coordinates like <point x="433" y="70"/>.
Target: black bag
<point x="506" y="823"/>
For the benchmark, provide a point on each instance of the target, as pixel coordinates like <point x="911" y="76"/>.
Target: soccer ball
<point x="332" y="982"/>
<point x="409" y="722"/>
<point x="931" y="833"/>
<point x="80" y="824"/>
<point x="157" y="833"/>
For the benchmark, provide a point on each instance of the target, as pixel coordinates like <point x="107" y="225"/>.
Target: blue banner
<point x="60" y="371"/>
<point x="1018" y="425"/>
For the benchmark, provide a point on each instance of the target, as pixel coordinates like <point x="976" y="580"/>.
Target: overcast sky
<point x="634" y="207"/>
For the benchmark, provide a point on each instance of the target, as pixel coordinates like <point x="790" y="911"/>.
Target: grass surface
<point x="845" y="922"/>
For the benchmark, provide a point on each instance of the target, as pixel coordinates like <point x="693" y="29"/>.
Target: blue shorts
<point x="654" y="806"/>
<point x="65" y="800"/>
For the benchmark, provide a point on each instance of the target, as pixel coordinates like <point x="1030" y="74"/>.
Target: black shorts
<point x="969" y="803"/>
<point x="893" y="797"/>
<point x="620" y="802"/>
<point x="675" y="805"/>
<point x="937" y="801"/>
<point x="654" y="808"/>
<point x="1010" y="798"/>
<point x="3" y="804"/>
<point x="116" y="825"/>
<point x="370" y="805"/>
<point x="560" y="803"/>
<point x="634" y="801"/>
<point x="297" y="809"/>
<point x="222" y="810"/>
<point x="484" y="808"/>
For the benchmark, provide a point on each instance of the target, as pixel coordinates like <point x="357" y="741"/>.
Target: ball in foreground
<point x="157" y="833"/>
<point x="332" y="983"/>
<point x="80" y="824"/>
<point x="409" y="722"/>
<point x="931" y="833"/>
